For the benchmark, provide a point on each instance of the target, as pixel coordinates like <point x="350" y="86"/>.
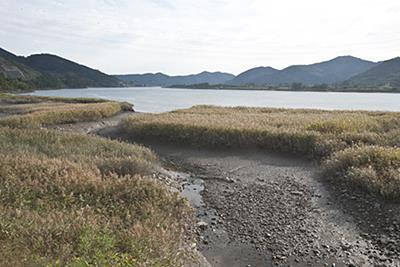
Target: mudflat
<point x="265" y="209"/>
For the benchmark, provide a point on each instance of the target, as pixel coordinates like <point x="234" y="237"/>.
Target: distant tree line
<point x="342" y="87"/>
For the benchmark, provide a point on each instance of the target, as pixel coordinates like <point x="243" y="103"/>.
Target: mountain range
<point x="328" y="72"/>
<point x="160" y="79"/>
<point x="340" y="71"/>
<point x="386" y="73"/>
<point x="43" y="71"/>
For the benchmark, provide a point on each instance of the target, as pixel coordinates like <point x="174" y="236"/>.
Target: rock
<point x="280" y="257"/>
<point x="202" y="225"/>
<point x="346" y="246"/>
<point x="297" y="193"/>
<point x="229" y="180"/>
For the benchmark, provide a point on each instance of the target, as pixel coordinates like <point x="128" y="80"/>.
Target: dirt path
<point x="264" y="209"/>
<point x="92" y="126"/>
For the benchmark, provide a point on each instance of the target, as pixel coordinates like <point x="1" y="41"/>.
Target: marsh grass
<point x="32" y="111"/>
<point x="316" y="134"/>
<point x="76" y="200"/>
<point x="374" y="168"/>
<point x="26" y="99"/>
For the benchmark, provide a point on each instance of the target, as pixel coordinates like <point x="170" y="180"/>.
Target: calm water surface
<point x="156" y="99"/>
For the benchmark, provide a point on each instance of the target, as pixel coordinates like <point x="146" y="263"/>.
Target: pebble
<point x="202" y="225"/>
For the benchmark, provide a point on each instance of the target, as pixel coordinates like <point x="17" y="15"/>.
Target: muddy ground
<point x="265" y="209"/>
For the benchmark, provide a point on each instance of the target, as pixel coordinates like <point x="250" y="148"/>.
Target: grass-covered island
<point x="76" y="200"/>
<point x="359" y="148"/>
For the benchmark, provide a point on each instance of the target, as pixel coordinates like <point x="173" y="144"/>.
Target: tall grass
<point x="6" y="98"/>
<point x="74" y="200"/>
<point x="315" y="134"/>
<point x="30" y="111"/>
<point x="78" y="148"/>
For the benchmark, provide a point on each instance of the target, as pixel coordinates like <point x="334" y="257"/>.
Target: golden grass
<point x="26" y="99"/>
<point x="76" y="200"/>
<point x="76" y="147"/>
<point x="313" y="133"/>
<point x="374" y="168"/>
<point x="30" y="111"/>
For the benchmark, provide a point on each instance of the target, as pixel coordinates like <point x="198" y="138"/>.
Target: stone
<point x="202" y="225"/>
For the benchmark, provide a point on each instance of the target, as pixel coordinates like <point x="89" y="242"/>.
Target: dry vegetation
<point x="357" y="147"/>
<point x="76" y="200"/>
<point x="28" y="111"/>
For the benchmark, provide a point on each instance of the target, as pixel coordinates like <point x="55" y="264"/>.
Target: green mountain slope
<point x="328" y="72"/>
<point x="46" y="71"/>
<point x="386" y="73"/>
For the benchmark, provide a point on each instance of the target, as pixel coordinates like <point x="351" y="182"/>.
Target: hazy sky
<point x="188" y="36"/>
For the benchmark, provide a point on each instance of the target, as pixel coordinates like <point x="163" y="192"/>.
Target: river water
<point x="157" y="99"/>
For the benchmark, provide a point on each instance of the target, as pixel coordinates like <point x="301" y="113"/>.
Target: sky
<point x="190" y="36"/>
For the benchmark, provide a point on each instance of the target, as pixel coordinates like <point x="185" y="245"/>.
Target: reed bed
<point x="6" y="98"/>
<point x="75" y="200"/>
<point x="30" y="111"/>
<point x="316" y="134"/>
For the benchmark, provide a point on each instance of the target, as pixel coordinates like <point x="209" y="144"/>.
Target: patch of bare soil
<point x="92" y="126"/>
<point x="263" y="209"/>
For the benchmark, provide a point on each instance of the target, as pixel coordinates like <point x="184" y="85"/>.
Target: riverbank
<point x="322" y="89"/>
<point x="252" y="206"/>
<point x="74" y="199"/>
<point x="355" y="192"/>
<point x="359" y="149"/>
<point x="266" y="209"/>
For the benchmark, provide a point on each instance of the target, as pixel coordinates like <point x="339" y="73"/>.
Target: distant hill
<point x="49" y="71"/>
<point x="160" y="79"/>
<point x="253" y="76"/>
<point x="148" y="79"/>
<point x="347" y="73"/>
<point x="328" y="72"/>
<point x="72" y="75"/>
<point x="386" y="73"/>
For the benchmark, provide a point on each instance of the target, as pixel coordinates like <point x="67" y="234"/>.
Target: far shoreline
<point x="275" y="90"/>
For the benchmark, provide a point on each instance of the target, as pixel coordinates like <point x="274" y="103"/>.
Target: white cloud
<point x="182" y="36"/>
